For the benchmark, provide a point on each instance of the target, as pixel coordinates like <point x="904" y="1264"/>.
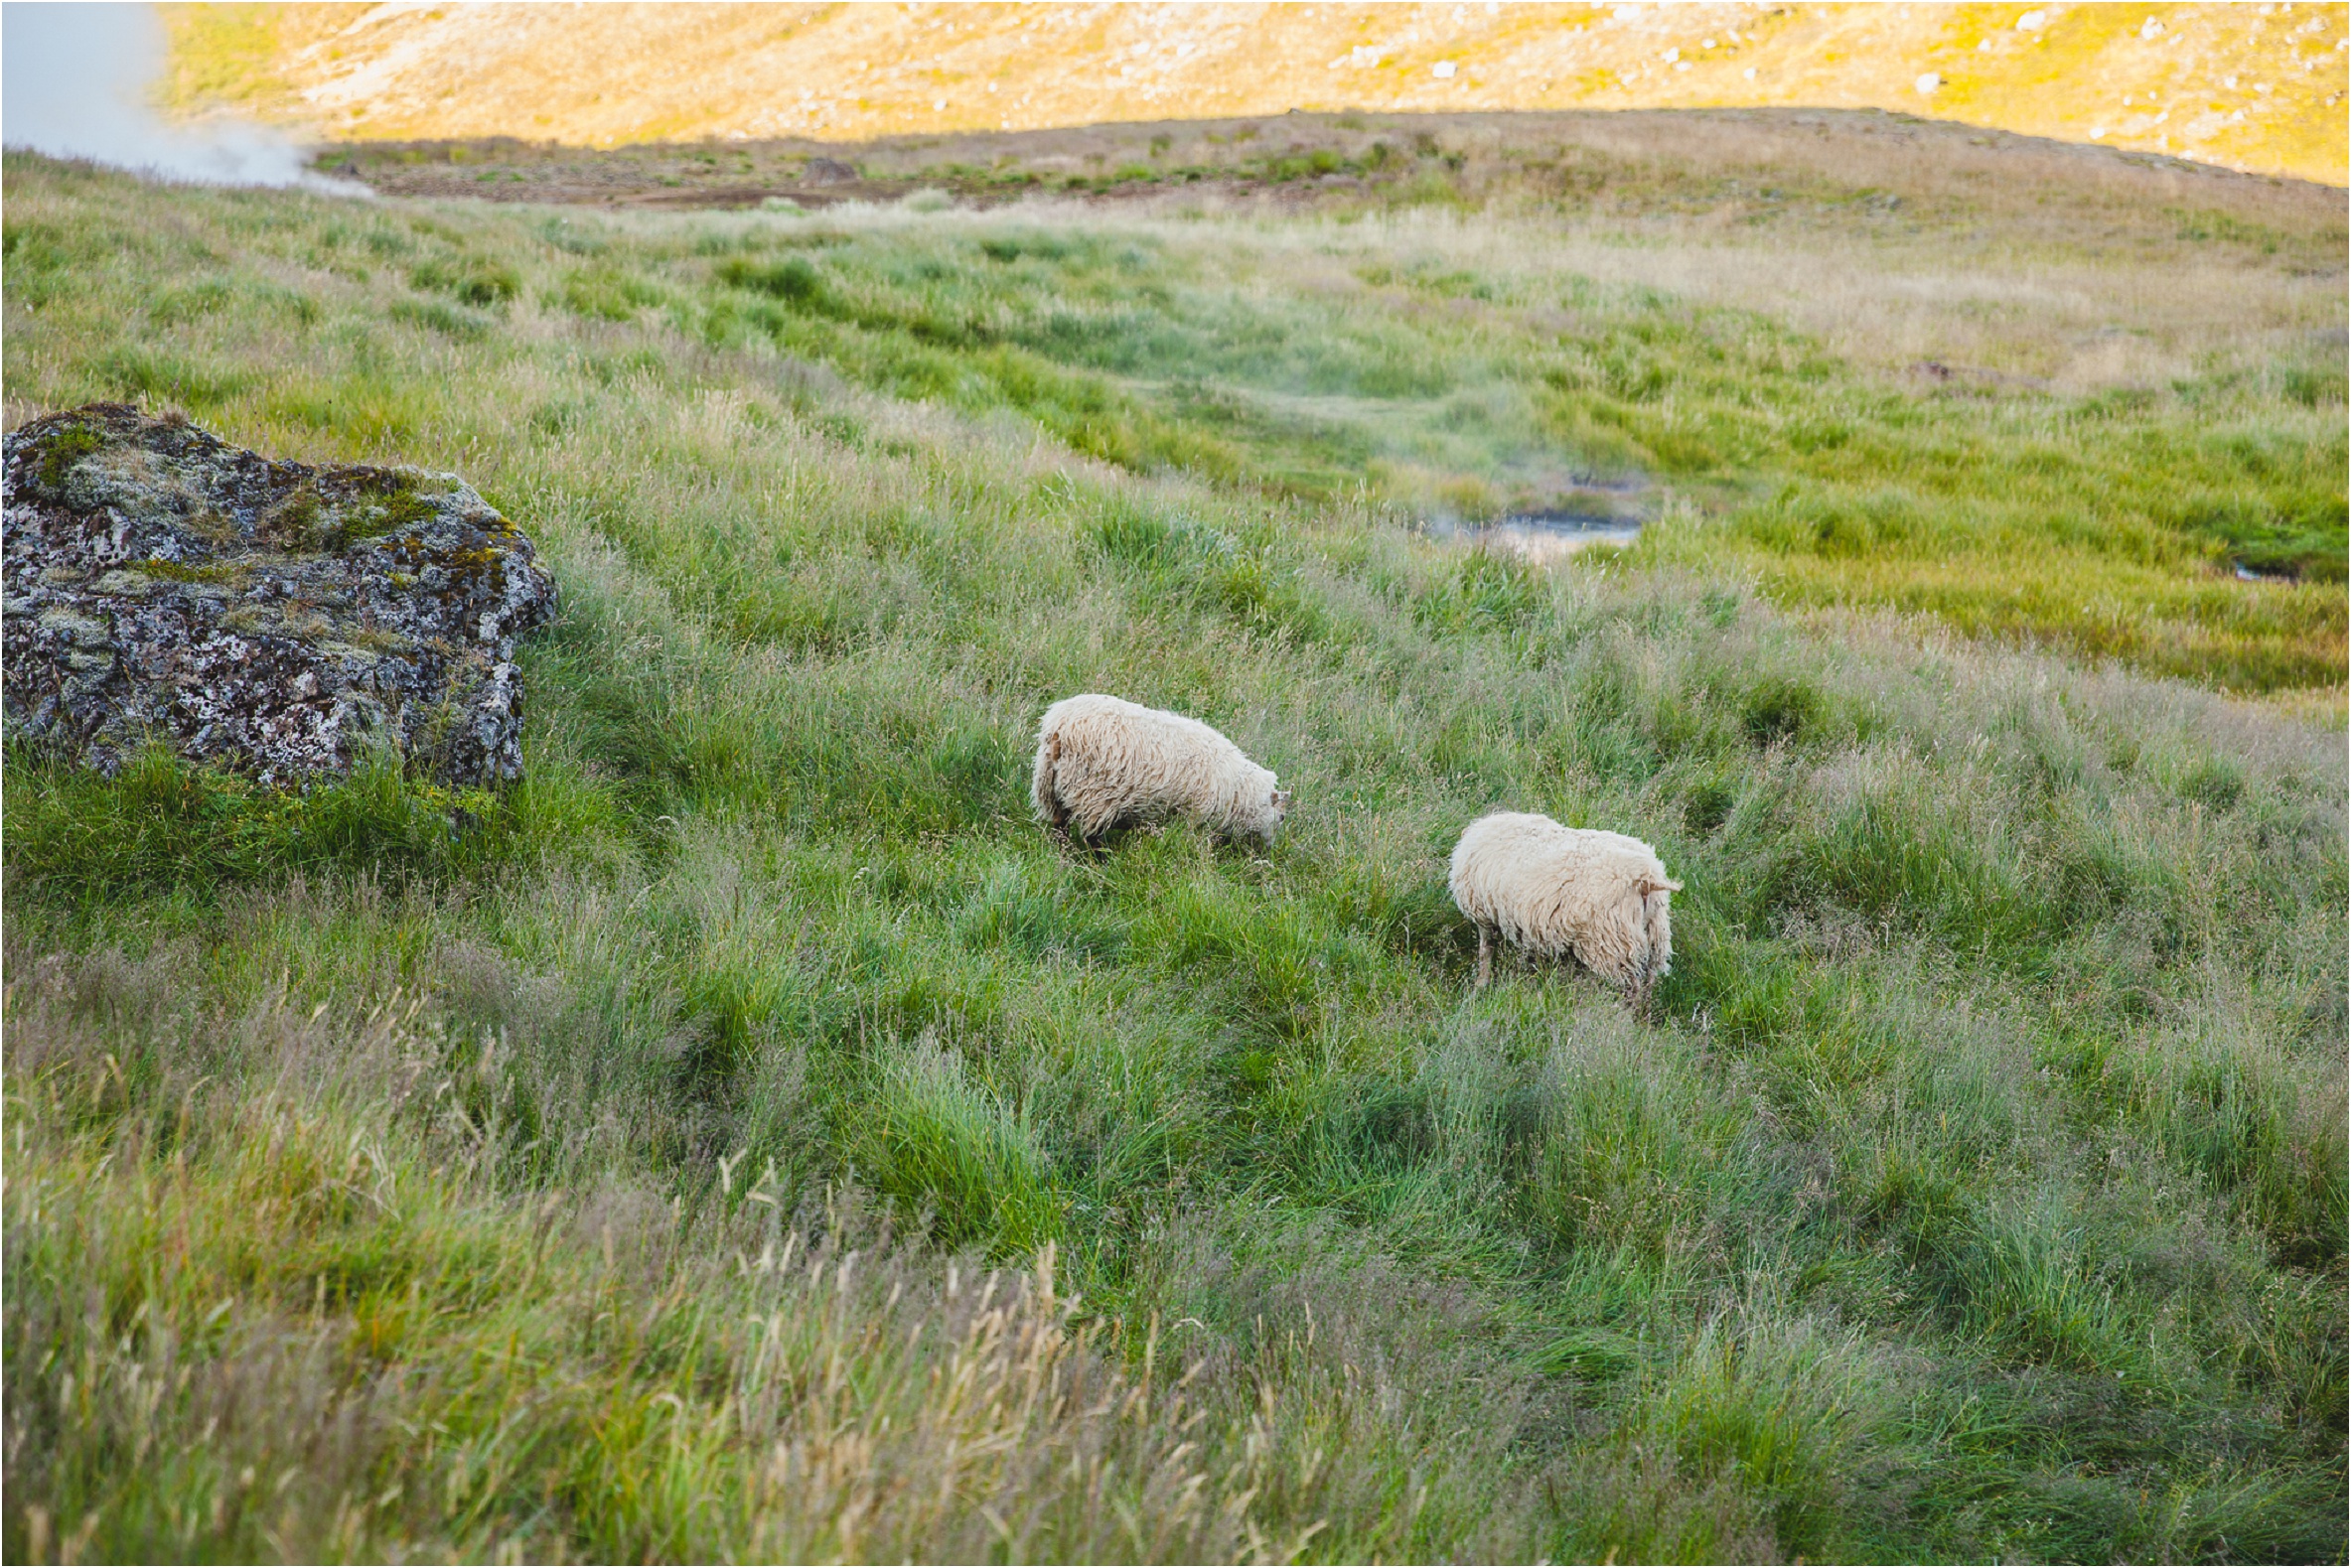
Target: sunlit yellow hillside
<point x="2252" y="86"/>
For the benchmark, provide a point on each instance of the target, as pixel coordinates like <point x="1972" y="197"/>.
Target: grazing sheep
<point x="1558" y="891"/>
<point x="1103" y="761"/>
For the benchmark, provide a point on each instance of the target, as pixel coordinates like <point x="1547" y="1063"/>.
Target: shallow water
<point x="1548" y="535"/>
<point x="1598" y="511"/>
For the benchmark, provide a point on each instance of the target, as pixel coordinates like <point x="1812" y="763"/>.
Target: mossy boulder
<point x="282" y="618"/>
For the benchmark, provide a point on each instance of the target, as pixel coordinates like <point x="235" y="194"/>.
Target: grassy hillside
<point x="2228" y="85"/>
<point x="2039" y="393"/>
<point x="750" y="1137"/>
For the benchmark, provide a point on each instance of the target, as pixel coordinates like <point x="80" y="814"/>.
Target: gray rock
<point x="278" y="618"/>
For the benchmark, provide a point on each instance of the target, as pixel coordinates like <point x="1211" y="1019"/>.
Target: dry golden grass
<point x="1994" y="302"/>
<point x="2100" y="288"/>
<point x="2256" y="87"/>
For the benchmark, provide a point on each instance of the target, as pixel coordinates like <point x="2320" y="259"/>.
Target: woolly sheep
<point x="1103" y="761"/>
<point x="1558" y="891"/>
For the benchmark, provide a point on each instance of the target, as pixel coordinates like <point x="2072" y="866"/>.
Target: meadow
<point x="2039" y="393"/>
<point x="750" y="1136"/>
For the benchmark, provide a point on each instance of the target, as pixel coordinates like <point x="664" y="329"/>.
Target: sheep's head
<point x="1271" y="808"/>
<point x="1655" y="894"/>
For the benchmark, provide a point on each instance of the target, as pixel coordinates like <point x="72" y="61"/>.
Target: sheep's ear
<point x="1651" y="885"/>
<point x="1282" y="798"/>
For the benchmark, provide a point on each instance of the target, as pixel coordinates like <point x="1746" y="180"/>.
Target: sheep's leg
<point x="1485" y="957"/>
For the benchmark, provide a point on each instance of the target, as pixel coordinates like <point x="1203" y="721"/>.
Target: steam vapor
<point x="75" y="80"/>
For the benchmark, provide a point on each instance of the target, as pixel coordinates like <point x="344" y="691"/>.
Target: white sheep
<point x="1103" y="762"/>
<point x="1558" y="891"/>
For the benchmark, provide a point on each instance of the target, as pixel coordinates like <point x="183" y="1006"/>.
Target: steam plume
<point x="75" y="82"/>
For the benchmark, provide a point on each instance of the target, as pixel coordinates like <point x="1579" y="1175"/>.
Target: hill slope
<point x="751" y="1137"/>
<point x="2259" y="88"/>
<point x="1627" y="313"/>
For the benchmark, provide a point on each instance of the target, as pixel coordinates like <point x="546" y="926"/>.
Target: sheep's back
<point x="1120" y="758"/>
<point x="1553" y="889"/>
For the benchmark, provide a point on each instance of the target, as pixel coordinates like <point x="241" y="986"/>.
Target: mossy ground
<point x="614" y="1167"/>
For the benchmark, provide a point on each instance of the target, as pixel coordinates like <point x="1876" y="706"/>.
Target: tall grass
<point x="313" y="1322"/>
<point x="1774" y="390"/>
<point x="1977" y="1189"/>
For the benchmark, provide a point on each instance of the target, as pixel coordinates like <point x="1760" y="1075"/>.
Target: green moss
<point x="294" y="521"/>
<point x="403" y="509"/>
<point x="184" y="572"/>
<point x="397" y="507"/>
<point x="63" y="450"/>
<point x="480" y="560"/>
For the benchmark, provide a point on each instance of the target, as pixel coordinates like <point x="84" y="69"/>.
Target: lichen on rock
<point x="282" y="618"/>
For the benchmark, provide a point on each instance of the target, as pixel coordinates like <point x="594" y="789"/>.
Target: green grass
<point x="616" y="1166"/>
<point x="2143" y="391"/>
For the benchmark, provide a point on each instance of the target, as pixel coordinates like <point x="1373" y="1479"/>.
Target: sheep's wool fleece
<point x="1103" y="761"/>
<point x="1558" y="891"/>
